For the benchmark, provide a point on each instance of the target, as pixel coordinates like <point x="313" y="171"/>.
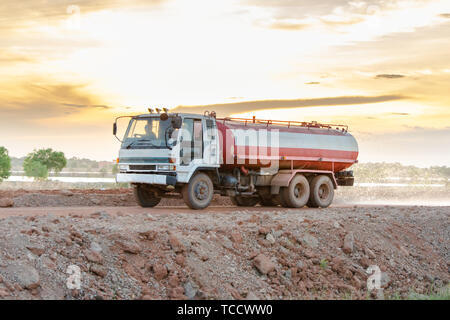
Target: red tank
<point x="287" y="144"/>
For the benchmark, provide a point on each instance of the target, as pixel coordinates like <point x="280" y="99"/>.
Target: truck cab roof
<point x="183" y="115"/>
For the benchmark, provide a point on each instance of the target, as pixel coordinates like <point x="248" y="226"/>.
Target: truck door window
<point x="192" y="142"/>
<point x="198" y="139"/>
<point x="187" y="133"/>
<point x="210" y="129"/>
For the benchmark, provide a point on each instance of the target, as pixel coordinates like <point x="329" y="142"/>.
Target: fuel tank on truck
<point x="286" y="144"/>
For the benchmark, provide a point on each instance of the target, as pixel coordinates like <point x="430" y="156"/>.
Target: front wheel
<point x="145" y="197"/>
<point x="198" y="193"/>
<point x="322" y="192"/>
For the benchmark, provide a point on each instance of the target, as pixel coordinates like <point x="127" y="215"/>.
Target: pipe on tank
<point x="244" y="170"/>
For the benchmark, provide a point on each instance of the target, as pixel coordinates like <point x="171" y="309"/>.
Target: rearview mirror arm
<point x="115" y="126"/>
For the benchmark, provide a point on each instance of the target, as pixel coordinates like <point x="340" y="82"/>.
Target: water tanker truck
<point x="252" y="161"/>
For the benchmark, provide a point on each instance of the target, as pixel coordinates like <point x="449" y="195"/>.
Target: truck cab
<point x="161" y="152"/>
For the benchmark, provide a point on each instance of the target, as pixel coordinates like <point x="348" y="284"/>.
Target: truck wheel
<point x="198" y="193"/>
<point x="280" y="199"/>
<point x="244" y="201"/>
<point x="309" y="204"/>
<point x="144" y="197"/>
<point x="322" y="192"/>
<point x="296" y="195"/>
<point x="267" y="202"/>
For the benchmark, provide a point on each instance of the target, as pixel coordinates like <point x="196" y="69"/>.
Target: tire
<point x="198" y="193"/>
<point x="144" y="197"/>
<point x="296" y="195"/>
<point x="267" y="202"/>
<point x="309" y="204"/>
<point x="280" y="199"/>
<point x="244" y="201"/>
<point x="322" y="192"/>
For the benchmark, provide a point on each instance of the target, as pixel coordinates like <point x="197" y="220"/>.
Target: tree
<point x="35" y="169"/>
<point x="51" y="160"/>
<point x="5" y="164"/>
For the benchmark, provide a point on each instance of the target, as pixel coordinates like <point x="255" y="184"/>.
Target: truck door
<point x="198" y="147"/>
<point x="210" y="154"/>
<point x="191" y="141"/>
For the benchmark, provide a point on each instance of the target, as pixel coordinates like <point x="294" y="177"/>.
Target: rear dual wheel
<point x="322" y="192"/>
<point x="295" y="195"/>
<point x="319" y="192"/>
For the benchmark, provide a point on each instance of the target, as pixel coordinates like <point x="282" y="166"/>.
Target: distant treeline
<point x="75" y="165"/>
<point x="367" y="172"/>
<point x="381" y="171"/>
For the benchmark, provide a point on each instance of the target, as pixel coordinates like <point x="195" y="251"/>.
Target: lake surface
<point x="65" y="179"/>
<point x="113" y="180"/>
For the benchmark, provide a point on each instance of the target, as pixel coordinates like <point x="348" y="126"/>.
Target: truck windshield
<point x="147" y="133"/>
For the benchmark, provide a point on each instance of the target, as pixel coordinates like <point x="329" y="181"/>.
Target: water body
<point x="112" y="180"/>
<point x="65" y="179"/>
<point x="389" y="184"/>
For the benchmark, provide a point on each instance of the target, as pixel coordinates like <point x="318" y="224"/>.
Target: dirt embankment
<point x="259" y="254"/>
<point x="124" y="197"/>
<point x="83" y="197"/>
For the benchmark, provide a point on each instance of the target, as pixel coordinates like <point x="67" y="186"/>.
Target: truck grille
<point x="142" y="167"/>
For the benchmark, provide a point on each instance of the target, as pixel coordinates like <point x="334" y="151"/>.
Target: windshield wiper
<point x="140" y="140"/>
<point x="135" y="141"/>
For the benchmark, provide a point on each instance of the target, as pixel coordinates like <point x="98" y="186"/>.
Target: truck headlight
<point x="166" y="167"/>
<point x="123" y="167"/>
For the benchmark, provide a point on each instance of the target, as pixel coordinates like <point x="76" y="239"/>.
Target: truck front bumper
<point x="146" y="178"/>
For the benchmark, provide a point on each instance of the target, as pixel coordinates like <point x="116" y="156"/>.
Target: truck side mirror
<point x="114" y="128"/>
<point x="177" y="122"/>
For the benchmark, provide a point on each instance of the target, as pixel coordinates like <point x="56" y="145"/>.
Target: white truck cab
<point x="161" y="152"/>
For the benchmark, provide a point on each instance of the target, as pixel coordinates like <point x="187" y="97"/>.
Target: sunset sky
<point x="68" y="68"/>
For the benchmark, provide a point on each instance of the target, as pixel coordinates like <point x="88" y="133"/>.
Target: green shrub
<point x="324" y="263"/>
<point x="39" y="163"/>
<point x="5" y="164"/>
<point x="35" y="169"/>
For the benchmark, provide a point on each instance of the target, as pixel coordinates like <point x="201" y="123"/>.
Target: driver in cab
<point x="149" y="133"/>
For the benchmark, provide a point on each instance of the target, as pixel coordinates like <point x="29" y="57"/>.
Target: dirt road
<point x="124" y="197"/>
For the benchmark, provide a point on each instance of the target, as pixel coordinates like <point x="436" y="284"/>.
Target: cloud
<point x="280" y="25"/>
<point x="342" y="22"/>
<point x="11" y="58"/>
<point x="226" y="109"/>
<point x="85" y="106"/>
<point x="16" y="14"/>
<point x="295" y="8"/>
<point x="313" y="82"/>
<point x="61" y="93"/>
<point x="37" y="100"/>
<point x="389" y="76"/>
<point x="445" y="15"/>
